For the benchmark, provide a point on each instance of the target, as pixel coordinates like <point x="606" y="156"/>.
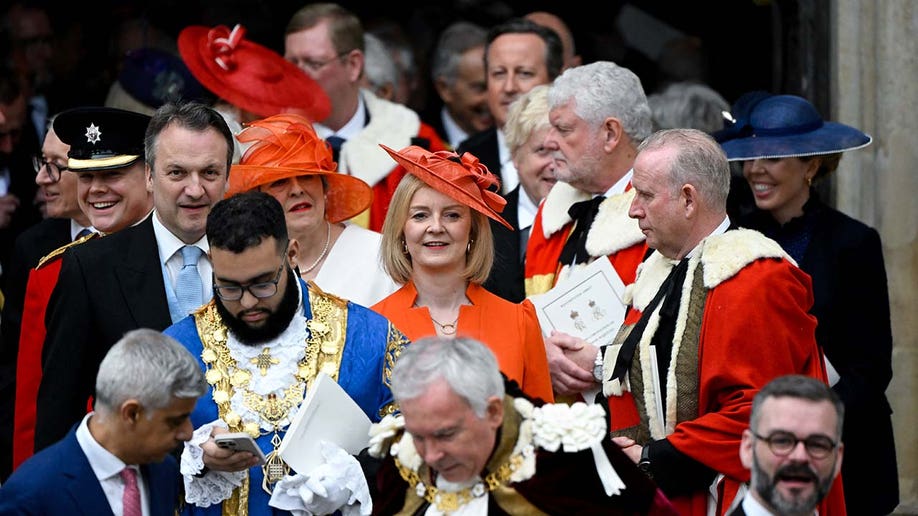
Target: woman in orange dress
<point x="437" y="244"/>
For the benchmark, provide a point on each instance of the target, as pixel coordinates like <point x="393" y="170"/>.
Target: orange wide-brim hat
<point x="286" y="146"/>
<point x="462" y="178"/>
<point x="248" y="75"/>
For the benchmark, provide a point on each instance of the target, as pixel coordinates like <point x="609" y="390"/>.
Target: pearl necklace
<point x="321" y="256"/>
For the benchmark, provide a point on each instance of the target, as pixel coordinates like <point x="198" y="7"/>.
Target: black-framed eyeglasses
<point x="783" y="443"/>
<point x="316" y="65"/>
<point x="53" y="169"/>
<point x="260" y="290"/>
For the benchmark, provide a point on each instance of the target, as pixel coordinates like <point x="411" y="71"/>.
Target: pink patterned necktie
<point x="130" y="500"/>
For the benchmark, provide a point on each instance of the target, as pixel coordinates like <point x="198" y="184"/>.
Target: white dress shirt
<point x="454" y="134"/>
<point x="107" y="469"/>
<point x="170" y="253"/>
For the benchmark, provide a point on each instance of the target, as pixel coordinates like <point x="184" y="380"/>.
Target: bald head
<point x="556" y="24"/>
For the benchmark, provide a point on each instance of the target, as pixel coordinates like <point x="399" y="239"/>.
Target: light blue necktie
<point x="188" y="287"/>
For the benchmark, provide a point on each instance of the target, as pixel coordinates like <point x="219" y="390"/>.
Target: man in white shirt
<point x="116" y="461"/>
<point x="787" y="478"/>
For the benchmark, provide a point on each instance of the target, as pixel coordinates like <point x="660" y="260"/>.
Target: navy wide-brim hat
<point x="101" y="138"/>
<point x="784" y="126"/>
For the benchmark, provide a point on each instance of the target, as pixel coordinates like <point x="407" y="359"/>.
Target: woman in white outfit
<point x="286" y="159"/>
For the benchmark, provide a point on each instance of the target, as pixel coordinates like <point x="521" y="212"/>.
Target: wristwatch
<point x="644" y="463"/>
<point x="597" y="366"/>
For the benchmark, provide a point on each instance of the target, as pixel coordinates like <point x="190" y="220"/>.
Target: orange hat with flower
<point x="462" y="178"/>
<point x="248" y="75"/>
<point x="285" y="146"/>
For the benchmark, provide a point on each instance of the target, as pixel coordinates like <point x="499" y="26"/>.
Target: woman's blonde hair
<point x="396" y="261"/>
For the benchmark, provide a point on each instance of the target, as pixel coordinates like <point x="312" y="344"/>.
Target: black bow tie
<point x="582" y="213"/>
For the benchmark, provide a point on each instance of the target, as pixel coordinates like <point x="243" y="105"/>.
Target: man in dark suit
<point x="519" y="55"/>
<point x="116" y="461"/>
<point x="18" y="145"/>
<point x="793" y="447"/>
<point x="458" y="75"/>
<point x="147" y="276"/>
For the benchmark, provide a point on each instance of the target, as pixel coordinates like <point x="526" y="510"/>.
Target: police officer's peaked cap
<point x="101" y="138"/>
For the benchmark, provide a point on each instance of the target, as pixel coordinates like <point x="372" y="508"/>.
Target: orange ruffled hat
<point x="248" y="75"/>
<point x="464" y="178"/>
<point x="285" y="146"/>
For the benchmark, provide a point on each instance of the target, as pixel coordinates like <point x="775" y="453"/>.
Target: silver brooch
<point x="93" y="134"/>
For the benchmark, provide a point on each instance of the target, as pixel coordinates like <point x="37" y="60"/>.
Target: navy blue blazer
<point x="59" y="480"/>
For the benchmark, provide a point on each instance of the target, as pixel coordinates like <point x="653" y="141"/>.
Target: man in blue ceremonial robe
<point x="261" y="341"/>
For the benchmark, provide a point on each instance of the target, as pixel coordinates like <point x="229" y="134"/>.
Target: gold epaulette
<point x="60" y="250"/>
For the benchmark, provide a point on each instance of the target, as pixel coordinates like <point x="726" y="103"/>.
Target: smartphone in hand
<point x="240" y="441"/>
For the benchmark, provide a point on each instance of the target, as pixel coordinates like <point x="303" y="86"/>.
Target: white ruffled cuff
<point x="337" y="484"/>
<point x="214" y="486"/>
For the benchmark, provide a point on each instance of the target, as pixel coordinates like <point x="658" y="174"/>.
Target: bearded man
<point x="262" y="340"/>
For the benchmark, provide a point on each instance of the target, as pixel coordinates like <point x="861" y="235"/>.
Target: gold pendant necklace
<point x="448" y="328"/>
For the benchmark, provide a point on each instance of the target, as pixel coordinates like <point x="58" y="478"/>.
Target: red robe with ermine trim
<point x="613" y="235"/>
<point x="755" y="326"/>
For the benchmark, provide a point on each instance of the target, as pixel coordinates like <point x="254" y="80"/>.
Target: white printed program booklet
<point x="327" y="414"/>
<point x="587" y="304"/>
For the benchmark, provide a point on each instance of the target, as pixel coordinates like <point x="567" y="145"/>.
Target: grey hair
<point x="467" y="366"/>
<point x="379" y="66"/>
<point x="455" y="40"/>
<point x="150" y="367"/>
<point x="799" y="387"/>
<point x="602" y="90"/>
<point x="527" y="114"/>
<point x="700" y="162"/>
<point x="690" y="105"/>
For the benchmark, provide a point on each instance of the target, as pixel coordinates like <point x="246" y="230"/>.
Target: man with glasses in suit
<point x="792" y="446"/>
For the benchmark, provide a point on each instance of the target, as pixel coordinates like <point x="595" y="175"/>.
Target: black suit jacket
<point x="845" y="260"/>
<point x="31" y="246"/>
<point x="431" y="116"/>
<point x="507" y="274"/>
<point x="483" y="145"/>
<point x="106" y="288"/>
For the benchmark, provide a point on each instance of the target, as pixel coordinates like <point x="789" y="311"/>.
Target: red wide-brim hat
<point x="462" y="178"/>
<point x="285" y="146"/>
<point x="248" y="75"/>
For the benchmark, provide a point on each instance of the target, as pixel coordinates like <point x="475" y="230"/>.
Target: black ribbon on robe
<point x="670" y="293"/>
<point x="583" y="213"/>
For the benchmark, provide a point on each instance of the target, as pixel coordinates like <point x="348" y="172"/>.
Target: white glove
<point x="337" y="484"/>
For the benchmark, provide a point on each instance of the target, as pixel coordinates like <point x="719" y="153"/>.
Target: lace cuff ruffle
<point x="214" y="486"/>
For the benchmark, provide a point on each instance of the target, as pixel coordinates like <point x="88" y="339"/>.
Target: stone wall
<point x="874" y="72"/>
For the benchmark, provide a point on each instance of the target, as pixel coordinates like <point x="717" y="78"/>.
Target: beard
<point x="766" y="487"/>
<point x="275" y="323"/>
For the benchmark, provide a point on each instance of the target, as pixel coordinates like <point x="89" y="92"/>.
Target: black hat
<point x="101" y="138"/>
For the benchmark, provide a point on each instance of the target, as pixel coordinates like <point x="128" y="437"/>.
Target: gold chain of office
<point x="450" y="501"/>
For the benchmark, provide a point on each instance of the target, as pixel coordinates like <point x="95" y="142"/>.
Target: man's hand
<point x="8" y="205"/>
<point x="632" y="449"/>
<point x="571" y="370"/>
<point x="220" y="459"/>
